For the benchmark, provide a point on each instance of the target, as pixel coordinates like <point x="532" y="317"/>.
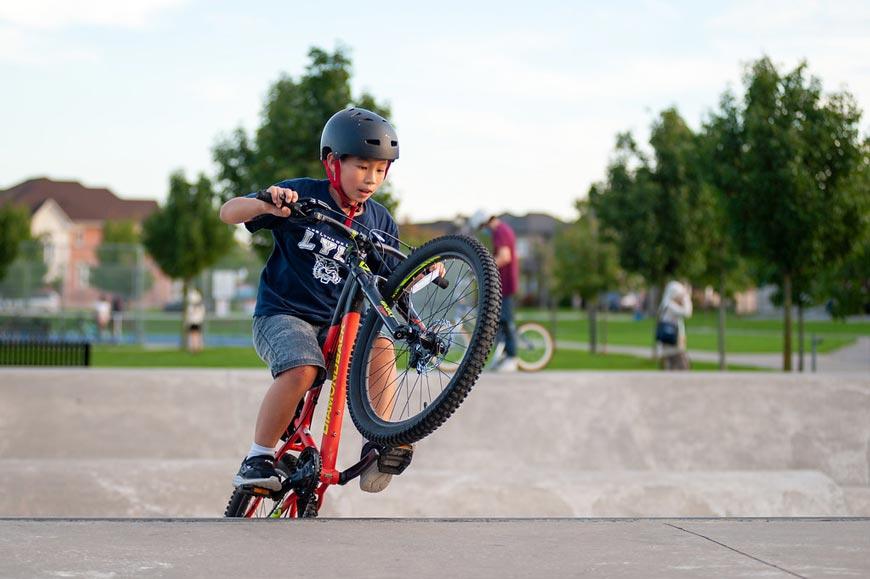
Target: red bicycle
<point x="387" y="341"/>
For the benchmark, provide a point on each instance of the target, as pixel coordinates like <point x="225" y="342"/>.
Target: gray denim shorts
<point x="285" y="342"/>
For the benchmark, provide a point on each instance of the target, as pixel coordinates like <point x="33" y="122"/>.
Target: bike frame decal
<point x="334" y="381"/>
<point x="385" y="309"/>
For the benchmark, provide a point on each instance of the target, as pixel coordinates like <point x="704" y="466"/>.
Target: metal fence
<point x="51" y="292"/>
<point x="35" y="352"/>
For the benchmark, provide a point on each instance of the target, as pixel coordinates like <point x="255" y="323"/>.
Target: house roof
<point x="527" y="225"/>
<point x="80" y="203"/>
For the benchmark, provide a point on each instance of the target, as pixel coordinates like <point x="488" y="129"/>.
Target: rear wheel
<point x="401" y="390"/>
<point x="534" y="347"/>
<point x="309" y="462"/>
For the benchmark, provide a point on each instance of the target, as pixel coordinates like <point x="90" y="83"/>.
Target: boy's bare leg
<point x="382" y="394"/>
<point x="280" y="402"/>
<point x="382" y="380"/>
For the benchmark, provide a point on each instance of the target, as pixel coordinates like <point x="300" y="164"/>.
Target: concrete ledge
<point x="652" y="549"/>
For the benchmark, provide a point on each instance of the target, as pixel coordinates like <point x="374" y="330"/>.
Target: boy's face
<point x="361" y="177"/>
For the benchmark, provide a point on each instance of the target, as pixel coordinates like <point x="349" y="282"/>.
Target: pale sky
<point x="500" y="106"/>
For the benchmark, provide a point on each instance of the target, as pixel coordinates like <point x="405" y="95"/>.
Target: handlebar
<point x="313" y="209"/>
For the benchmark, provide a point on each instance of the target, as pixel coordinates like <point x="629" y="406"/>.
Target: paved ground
<point x="480" y="548"/>
<point x="531" y="447"/>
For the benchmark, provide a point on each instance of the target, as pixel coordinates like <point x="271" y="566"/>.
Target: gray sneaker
<point x="508" y="365"/>
<point x="379" y="473"/>
<point x="258" y="471"/>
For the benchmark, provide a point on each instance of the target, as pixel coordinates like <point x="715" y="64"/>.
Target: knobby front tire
<point x="401" y="391"/>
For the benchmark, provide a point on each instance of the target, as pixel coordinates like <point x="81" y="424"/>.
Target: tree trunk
<point x="653" y="312"/>
<point x="800" y="336"/>
<point x="593" y="329"/>
<point x="185" y="288"/>
<point x="721" y="326"/>
<point x="786" y="350"/>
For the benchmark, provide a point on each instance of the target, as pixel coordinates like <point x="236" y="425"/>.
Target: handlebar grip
<point x="264" y="195"/>
<point x="441" y="282"/>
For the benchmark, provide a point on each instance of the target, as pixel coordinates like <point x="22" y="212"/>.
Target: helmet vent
<point x="375" y="142"/>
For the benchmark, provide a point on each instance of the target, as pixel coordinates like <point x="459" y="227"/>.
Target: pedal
<point x="395" y="460"/>
<point x="256" y="491"/>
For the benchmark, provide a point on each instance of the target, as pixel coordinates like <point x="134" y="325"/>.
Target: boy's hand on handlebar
<point x="439" y="268"/>
<point x="280" y="196"/>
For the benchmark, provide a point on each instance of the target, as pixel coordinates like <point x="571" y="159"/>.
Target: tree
<point x="648" y="207"/>
<point x="287" y="141"/>
<point x="847" y="284"/>
<point x="27" y="272"/>
<point x="119" y="269"/>
<point x="186" y="235"/>
<point x="14" y="229"/>
<point x="585" y="264"/>
<point x="790" y="202"/>
<point x="719" y="158"/>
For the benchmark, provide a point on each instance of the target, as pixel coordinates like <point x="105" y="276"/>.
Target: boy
<point x="299" y="287"/>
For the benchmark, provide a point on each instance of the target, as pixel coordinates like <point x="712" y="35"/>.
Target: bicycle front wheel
<point x="534" y="347"/>
<point x="401" y="390"/>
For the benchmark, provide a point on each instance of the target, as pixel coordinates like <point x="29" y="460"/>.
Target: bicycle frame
<point x="359" y="289"/>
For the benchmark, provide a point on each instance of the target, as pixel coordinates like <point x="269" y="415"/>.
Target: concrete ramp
<point x="566" y="444"/>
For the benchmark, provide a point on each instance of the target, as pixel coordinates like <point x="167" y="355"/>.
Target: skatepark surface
<point x="124" y="473"/>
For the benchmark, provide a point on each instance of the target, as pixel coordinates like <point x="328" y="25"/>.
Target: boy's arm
<point x="243" y="209"/>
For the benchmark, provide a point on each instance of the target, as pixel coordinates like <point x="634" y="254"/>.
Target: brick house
<point x="68" y="217"/>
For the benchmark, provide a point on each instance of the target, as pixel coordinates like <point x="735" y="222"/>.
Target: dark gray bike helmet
<point x="360" y="133"/>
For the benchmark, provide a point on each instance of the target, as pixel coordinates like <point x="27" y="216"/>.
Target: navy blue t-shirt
<point x="298" y="279"/>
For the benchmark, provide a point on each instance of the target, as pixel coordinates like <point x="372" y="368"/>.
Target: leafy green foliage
<point x="14" y="228"/>
<point x="27" y="272"/>
<point x="585" y="264"/>
<point x="119" y="269"/>
<point x="789" y="155"/>
<point x="651" y="206"/>
<point x="186" y="235"/>
<point x="286" y="143"/>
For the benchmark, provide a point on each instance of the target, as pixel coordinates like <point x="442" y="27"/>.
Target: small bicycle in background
<point x="535" y="348"/>
<point x="535" y="345"/>
<point x="384" y="353"/>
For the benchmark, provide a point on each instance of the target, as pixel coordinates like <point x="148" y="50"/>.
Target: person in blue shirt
<point x="299" y="286"/>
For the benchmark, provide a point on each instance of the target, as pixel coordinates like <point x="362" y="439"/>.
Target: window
<point x="84" y="271"/>
<point x="524" y="249"/>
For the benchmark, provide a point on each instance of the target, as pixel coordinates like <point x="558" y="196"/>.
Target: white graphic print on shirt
<point x="325" y="270"/>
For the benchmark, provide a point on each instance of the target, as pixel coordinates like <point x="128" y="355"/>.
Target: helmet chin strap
<point x="335" y="181"/>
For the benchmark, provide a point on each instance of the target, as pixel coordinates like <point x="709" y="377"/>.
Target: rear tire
<point x="405" y="382"/>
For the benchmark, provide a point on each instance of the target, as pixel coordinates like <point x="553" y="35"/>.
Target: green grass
<point x="139" y="357"/>
<point x="742" y="335"/>
<point x="580" y="360"/>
